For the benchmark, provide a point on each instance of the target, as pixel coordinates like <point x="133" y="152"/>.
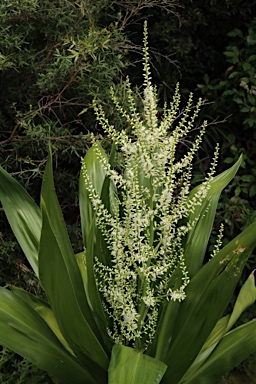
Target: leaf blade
<point x="208" y="294"/>
<point x="23" y="215"/>
<point x="198" y="237"/>
<point x="44" y="310"/>
<point x="130" y="367"/>
<point x="246" y="298"/>
<point x="23" y="330"/>
<point x="97" y="175"/>
<point x="62" y="281"/>
<point x="235" y="347"/>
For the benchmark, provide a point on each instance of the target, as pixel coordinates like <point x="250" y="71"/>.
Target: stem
<point x="143" y="309"/>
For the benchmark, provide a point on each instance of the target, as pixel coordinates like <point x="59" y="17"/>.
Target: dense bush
<point x="14" y="369"/>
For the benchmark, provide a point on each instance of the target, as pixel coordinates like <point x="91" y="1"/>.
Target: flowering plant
<point x="137" y="305"/>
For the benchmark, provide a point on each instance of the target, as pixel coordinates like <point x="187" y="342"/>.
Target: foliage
<point x="14" y="369"/>
<point x="69" y="59"/>
<point x="195" y="40"/>
<point x="145" y="210"/>
<point x="55" y="56"/>
<point x="236" y="92"/>
<point x="36" y="66"/>
<point x="233" y="96"/>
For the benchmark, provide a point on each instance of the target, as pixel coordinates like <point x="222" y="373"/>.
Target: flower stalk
<point x="144" y="233"/>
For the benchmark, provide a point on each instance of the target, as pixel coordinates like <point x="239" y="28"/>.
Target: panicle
<point x="145" y="230"/>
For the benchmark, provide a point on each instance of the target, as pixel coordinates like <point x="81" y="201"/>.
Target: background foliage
<point x="55" y="56"/>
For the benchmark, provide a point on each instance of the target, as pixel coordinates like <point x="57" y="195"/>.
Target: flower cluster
<point x="150" y="212"/>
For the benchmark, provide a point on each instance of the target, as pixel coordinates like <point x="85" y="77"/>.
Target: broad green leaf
<point x="24" y="331"/>
<point x="165" y="325"/>
<point x="94" y="248"/>
<point x="81" y="262"/>
<point x="97" y="176"/>
<point x="130" y="367"/>
<point x="44" y="310"/>
<point x="208" y="294"/>
<point x="217" y="333"/>
<point x="195" y="245"/>
<point x="23" y="215"/>
<point x="93" y="239"/>
<point x="62" y="282"/>
<point x="233" y="348"/>
<point x="198" y="237"/>
<point x="246" y="297"/>
<point x="215" y="336"/>
<point x="108" y="191"/>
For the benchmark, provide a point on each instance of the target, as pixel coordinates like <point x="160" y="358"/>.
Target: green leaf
<point x="44" y="310"/>
<point x="195" y="251"/>
<point x="252" y="190"/>
<point x="212" y="341"/>
<point x="252" y="58"/>
<point x="245" y="109"/>
<point x="62" y="282"/>
<point x="24" y="331"/>
<point x="235" y="32"/>
<point x="235" y="347"/>
<point x="229" y="160"/>
<point x="233" y="74"/>
<point x="198" y="237"/>
<point x="251" y="98"/>
<point x="101" y="320"/>
<point x="93" y="239"/>
<point x="246" y="297"/>
<point x="130" y="367"/>
<point x="96" y="248"/>
<point x="97" y="176"/>
<point x="23" y="215"/>
<point x="165" y="325"/>
<point x="81" y="262"/>
<point x="208" y="294"/>
<point x="246" y="66"/>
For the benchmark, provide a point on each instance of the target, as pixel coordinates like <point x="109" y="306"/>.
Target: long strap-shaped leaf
<point x="246" y="298"/>
<point x="44" y="310"/>
<point x="198" y="237"/>
<point x="23" y="215"/>
<point x="25" y="332"/>
<point x="94" y="248"/>
<point x="62" y="282"/>
<point x="235" y="347"/>
<point x="97" y="176"/>
<point x="208" y="294"/>
<point x="195" y="247"/>
<point x="93" y="239"/>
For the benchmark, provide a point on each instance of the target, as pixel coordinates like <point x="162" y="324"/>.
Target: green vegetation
<point x="122" y="309"/>
<point x="56" y="56"/>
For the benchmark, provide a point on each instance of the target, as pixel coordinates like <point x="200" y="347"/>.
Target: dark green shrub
<point x="16" y="370"/>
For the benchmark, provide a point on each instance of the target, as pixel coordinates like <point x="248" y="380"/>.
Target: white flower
<point x="176" y="295"/>
<point x="143" y="232"/>
<point x="149" y="300"/>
